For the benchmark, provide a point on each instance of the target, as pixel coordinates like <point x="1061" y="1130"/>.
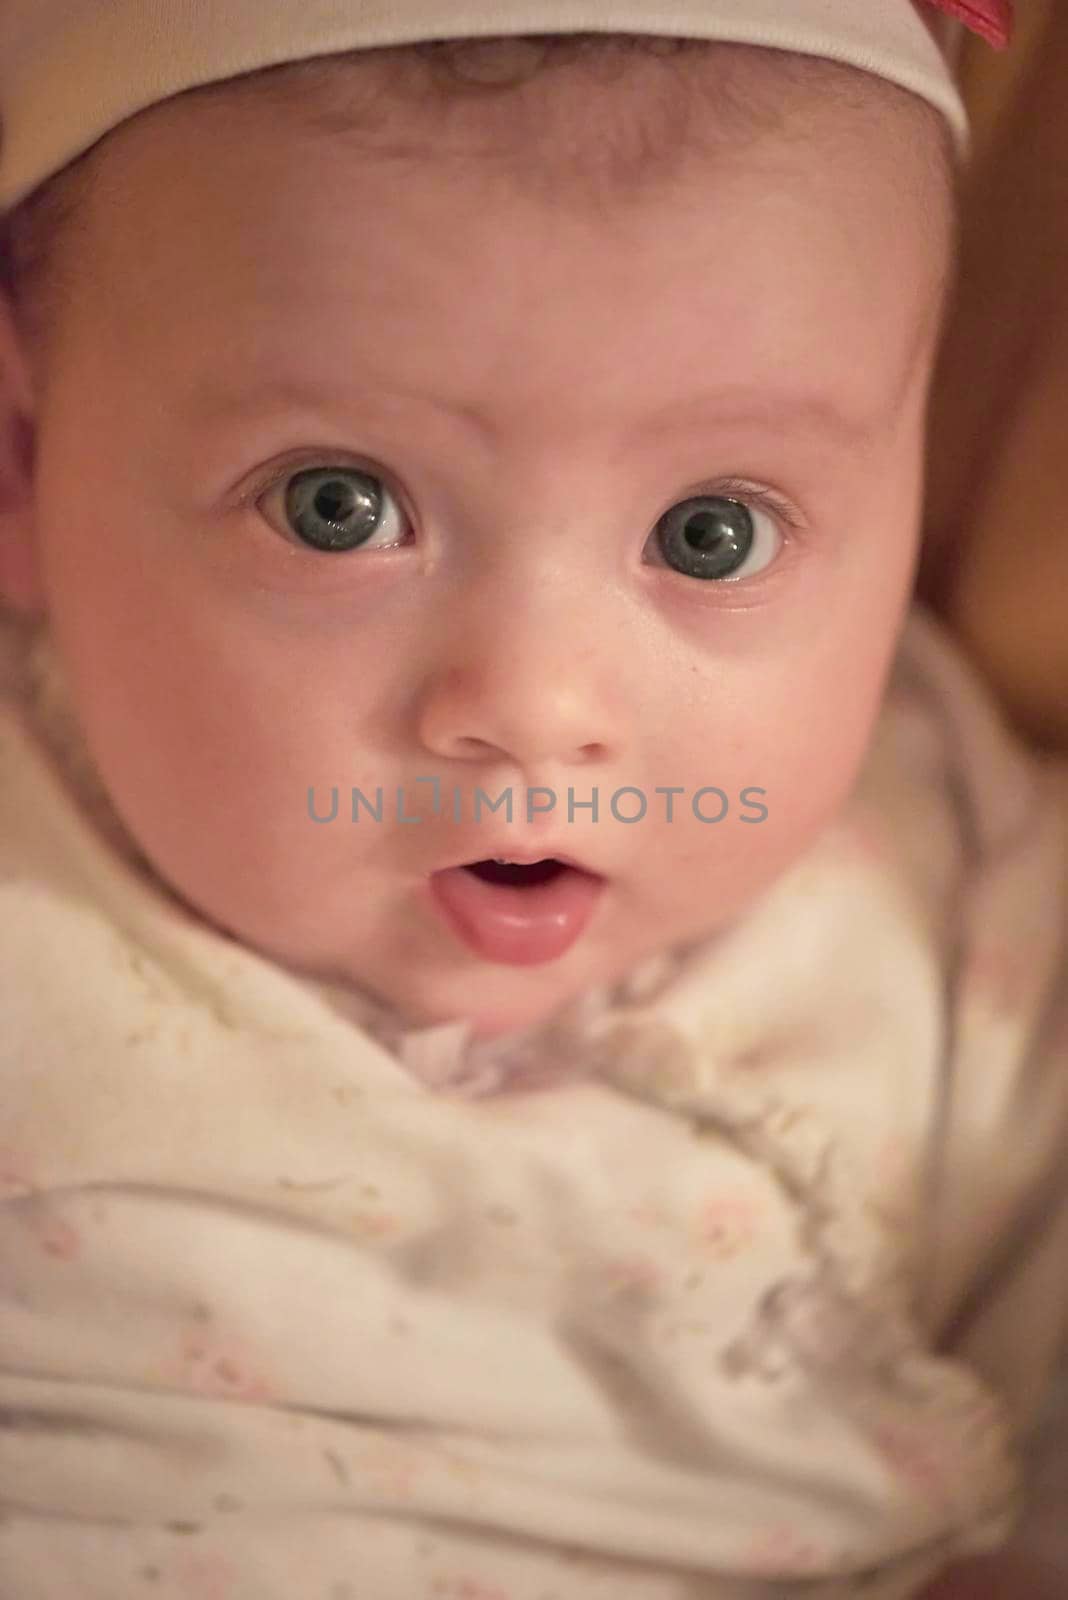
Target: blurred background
<point x="991" y="77"/>
<point x="995" y="560"/>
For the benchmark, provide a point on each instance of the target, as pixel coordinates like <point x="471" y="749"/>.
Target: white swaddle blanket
<point x="742" y="1279"/>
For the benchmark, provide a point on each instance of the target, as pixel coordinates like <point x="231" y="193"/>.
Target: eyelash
<point x="729" y="488"/>
<point x="773" y="504"/>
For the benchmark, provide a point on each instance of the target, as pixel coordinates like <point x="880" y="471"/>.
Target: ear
<point x="20" y="584"/>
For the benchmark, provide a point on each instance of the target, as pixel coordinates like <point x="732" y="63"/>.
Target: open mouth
<point x="519" y="913"/>
<point x="515" y="874"/>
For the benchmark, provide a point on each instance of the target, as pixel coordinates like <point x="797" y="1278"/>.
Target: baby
<point x="534" y="977"/>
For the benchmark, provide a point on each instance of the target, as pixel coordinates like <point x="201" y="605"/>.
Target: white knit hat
<point x="71" y="70"/>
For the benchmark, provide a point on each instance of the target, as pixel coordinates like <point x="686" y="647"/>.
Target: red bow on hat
<point x="991" y="19"/>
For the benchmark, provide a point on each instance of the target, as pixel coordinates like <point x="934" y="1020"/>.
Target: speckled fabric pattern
<point x="741" y="1280"/>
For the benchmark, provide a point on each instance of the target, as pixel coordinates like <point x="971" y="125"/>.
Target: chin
<point x="497" y="1000"/>
<point x="485" y="1029"/>
<point x="489" y="1021"/>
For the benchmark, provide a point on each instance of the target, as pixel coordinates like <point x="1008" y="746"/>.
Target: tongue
<point x="517" y="926"/>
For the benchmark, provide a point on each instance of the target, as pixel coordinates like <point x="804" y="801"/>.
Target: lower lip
<point x="520" y="927"/>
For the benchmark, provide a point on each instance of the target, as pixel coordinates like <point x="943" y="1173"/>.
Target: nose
<point x="526" y="678"/>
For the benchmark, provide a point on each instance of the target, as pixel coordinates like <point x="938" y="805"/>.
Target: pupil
<point x="330" y="502"/>
<point x="704" y="531"/>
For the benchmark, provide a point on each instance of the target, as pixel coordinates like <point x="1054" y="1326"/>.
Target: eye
<point x="336" y="508"/>
<point x="718" y="536"/>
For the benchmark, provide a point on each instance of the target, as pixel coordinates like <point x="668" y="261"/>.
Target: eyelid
<point x="275" y="476"/>
<point x="288" y="466"/>
<point x="744" y="591"/>
<point x="767" y="499"/>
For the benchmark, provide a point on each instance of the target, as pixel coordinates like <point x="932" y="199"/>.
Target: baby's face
<point x="624" y="501"/>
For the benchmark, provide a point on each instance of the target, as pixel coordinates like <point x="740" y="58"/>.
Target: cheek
<point x="208" y="725"/>
<point x="798" y="727"/>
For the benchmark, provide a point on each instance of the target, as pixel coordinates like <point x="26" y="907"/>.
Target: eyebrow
<point x="733" y="406"/>
<point x="756" y="408"/>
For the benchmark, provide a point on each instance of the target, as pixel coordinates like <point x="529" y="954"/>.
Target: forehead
<point x="801" y="249"/>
